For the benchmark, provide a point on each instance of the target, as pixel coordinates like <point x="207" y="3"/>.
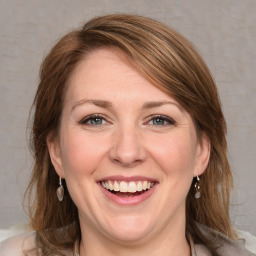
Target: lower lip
<point x="132" y="200"/>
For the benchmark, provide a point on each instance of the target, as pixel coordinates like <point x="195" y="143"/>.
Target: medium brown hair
<point x="168" y="61"/>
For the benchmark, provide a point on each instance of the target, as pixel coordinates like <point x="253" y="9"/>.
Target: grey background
<point x="223" y="31"/>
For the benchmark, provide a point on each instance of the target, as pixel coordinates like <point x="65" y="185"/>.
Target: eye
<point x="160" y="120"/>
<point x="93" y="120"/>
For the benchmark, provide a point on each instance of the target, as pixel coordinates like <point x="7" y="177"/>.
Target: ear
<point x="203" y="155"/>
<point x="53" y="145"/>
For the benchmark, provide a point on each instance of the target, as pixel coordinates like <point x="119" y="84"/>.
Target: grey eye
<point x="93" y="120"/>
<point x="161" y="121"/>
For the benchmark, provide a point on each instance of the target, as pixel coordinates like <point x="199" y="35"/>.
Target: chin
<point x="129" y="229"/>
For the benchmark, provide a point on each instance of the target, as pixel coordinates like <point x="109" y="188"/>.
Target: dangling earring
<point x="60" y="191"/>
<point x="197" y="188"/>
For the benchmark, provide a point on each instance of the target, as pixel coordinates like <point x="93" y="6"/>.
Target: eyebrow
<point x="99" y="103"/>
<point x="107" y="104"/>
<point x="155" y="104"/>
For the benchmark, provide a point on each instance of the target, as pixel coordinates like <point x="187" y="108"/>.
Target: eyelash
<point x="162" y="118"/>
<point x="85" y="120"/>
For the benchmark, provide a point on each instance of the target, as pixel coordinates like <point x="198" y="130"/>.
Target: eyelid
<point x="87" y="118"/>
<point x="170" y="120"/>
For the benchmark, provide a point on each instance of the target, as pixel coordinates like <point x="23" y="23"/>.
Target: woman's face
<point x="127" y="151"/>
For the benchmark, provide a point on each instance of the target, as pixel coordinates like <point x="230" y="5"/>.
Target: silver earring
<point x="60" y="191"/>
<point x="197" y="188"/>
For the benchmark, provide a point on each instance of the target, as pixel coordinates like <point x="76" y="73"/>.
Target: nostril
<point x="127" y="149"/>
<point x="126" y="164"/>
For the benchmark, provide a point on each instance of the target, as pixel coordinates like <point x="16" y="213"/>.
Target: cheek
<point x="81" y="156"/>
<point x="175" y="155"/>
<point x="81" y="153"/>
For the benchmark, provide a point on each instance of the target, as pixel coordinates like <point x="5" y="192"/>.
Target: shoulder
<point x="17" y="245"/>
<point x="226" y="246"/>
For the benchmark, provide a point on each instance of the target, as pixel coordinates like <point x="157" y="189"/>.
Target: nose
<point x="127" y="148"/>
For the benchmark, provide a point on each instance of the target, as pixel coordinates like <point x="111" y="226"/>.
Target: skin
<point x="126" y="139"/>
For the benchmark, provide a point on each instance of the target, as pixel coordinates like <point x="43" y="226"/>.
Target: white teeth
<point x="132" y="187"/>
<point x="116" y="186"/>
<point x="144" y="185"/>
<point x="139" y="186"/>
<point x="124" y="186"/>
<point x="110" y="185"/>
<point x="103" y="184"/>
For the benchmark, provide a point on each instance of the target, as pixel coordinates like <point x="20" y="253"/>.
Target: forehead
<point x="108" y="72"/>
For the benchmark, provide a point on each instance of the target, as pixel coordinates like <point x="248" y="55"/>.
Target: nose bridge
<point x="127" y="148"/>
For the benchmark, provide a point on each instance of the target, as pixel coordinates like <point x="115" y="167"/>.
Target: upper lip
<point x="127" y="179"/>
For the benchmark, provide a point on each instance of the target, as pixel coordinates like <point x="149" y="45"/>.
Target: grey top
<point x="16" y="246"/>
<point x="227" y="246"/>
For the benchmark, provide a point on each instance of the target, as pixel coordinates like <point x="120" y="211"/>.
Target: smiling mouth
<point x="127" y="189"/>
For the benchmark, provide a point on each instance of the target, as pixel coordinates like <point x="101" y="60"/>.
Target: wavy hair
<point x="168" y="61"/>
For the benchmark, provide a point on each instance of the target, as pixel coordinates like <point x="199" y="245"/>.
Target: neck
<point x="174" y="250"/>
<point x="164" y="244"/>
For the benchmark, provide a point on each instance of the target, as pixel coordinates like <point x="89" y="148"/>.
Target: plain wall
<point x="223" y="31"/>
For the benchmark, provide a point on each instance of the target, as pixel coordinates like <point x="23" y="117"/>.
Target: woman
<point x="129" y="131"/>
